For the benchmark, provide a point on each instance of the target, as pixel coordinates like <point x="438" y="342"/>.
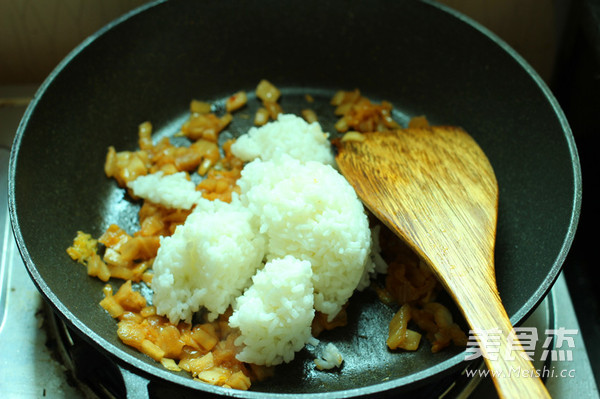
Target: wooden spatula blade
<point x="435" y="184"/>
<point x="437" y="190"/>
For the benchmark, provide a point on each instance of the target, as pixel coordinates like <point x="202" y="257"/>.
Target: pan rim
<point x="140" y="366"/>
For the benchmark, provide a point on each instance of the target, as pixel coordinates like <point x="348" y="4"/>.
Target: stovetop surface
<point x="30" y="367"/>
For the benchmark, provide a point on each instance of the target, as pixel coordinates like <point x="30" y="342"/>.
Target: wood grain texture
<point x="437" y="190"/>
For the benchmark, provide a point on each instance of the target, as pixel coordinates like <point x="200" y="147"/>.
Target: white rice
<point x="172" y="191"/>
<point x="289" y="134"/>
<point x="295" y="212"/>
<point x="275" y="314"/>
<point x="330" y="357"/>
<point x="207" y="262"/>
<point x="310" y="211"/>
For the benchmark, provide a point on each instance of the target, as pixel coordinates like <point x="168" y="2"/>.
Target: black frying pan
<point x="423" y="58"/>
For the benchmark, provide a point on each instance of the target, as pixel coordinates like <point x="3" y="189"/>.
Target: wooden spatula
<point x="435" y="188"/>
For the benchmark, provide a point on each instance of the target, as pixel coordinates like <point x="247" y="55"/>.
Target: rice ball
<point x="275" y="314"/>
<point x="207" y="262"/>
<point x="289" y="134"/>
<point x="173" y="191"/>
<point x="309" y="210"/>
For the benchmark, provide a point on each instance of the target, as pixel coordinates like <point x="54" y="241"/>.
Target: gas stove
<point x="41" y="357"/>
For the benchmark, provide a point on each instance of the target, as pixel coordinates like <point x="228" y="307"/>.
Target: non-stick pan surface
<point x="423" y="58"/>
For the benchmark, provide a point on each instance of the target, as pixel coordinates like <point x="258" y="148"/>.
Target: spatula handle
<point x="510" y="367"/>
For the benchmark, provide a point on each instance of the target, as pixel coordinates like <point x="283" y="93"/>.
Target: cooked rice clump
<point x="207" y="262"/>
<point x="173" y="191"/>
<point x="295" y="212"/>
<point x="275" y="314"/>
<point x="309" y="210"/>
<point x="330" y="358"/>
<point x="289" y="134"/>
